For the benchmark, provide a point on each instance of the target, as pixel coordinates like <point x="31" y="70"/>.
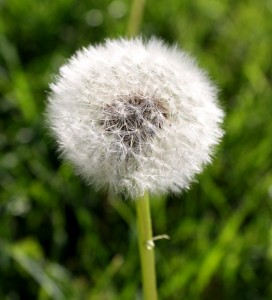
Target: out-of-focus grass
<point x="61" y="239"/>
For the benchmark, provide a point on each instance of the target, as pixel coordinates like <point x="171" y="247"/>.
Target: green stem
<point x="146" y="253"/>
<point x="135" y="18"/>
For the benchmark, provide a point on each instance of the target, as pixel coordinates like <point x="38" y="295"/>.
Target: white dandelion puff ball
<point x="135" y="116"/>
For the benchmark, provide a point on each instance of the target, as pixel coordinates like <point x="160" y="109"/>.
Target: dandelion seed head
<point x="135" y="116"/>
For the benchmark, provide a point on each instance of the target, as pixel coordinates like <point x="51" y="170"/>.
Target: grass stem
<point x="135" y="19"/>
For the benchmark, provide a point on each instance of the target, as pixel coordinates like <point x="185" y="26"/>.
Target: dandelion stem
<point x="146" y="253"/>
<point x="135" y="19"/>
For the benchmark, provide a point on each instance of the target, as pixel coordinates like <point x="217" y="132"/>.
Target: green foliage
<point x="60" y="239"/>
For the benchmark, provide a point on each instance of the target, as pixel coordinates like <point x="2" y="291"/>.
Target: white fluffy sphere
<point x="135" y="116"/>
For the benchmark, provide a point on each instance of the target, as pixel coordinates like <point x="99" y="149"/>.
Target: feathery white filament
<point x="135" y="116"/>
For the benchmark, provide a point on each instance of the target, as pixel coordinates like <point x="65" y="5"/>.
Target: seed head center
<point x="134" y="119"/>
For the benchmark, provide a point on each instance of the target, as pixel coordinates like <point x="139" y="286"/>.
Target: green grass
<point x="60" y="239"/>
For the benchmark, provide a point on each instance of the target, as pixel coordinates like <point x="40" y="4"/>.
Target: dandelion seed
<point x="135" y="116"/>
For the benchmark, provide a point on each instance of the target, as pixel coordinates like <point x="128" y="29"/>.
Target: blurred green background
<point x="59" y="239"/>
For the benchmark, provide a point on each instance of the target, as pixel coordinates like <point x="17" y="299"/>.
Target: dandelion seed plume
<point x="135" y="116"/>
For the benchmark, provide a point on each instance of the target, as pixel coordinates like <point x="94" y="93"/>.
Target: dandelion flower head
<point x="134" y="115"/>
